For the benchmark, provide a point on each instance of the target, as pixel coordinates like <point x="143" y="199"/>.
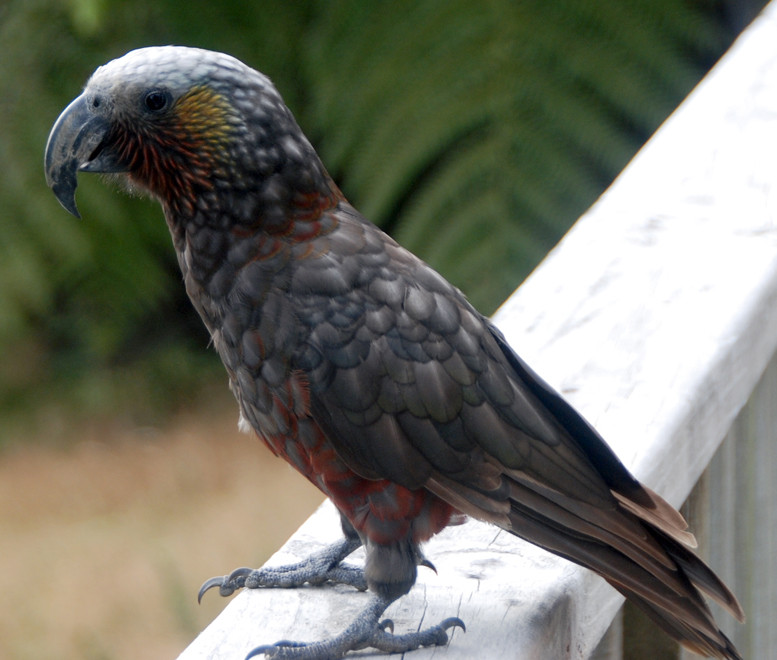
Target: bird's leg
<point x="320" y="567"/>
<point x="367" y="631"/>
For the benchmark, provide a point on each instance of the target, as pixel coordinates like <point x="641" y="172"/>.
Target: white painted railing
<point x="657" y="317"/>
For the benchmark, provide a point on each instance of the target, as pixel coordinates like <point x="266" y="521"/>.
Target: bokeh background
<point x="475" y="132"/>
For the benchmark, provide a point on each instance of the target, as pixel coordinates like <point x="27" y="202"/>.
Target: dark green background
<point x="475" y="132"/>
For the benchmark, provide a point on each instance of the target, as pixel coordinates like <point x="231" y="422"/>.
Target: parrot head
<point x="183" y="124"/>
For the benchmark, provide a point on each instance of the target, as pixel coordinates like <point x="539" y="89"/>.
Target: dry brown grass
<point x="104" y="544"/>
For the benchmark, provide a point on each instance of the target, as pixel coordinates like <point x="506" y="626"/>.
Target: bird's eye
<point x="156" y="101"/>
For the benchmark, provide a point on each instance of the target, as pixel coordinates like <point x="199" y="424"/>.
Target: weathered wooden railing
<point x="657" y="317"/>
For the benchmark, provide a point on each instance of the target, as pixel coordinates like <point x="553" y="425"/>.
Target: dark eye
<point x="156" y="101"/>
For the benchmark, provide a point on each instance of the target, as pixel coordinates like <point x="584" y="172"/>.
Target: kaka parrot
<point x="361" y="366"/>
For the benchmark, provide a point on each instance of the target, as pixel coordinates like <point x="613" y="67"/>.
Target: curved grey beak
<point x="75" y="145"/>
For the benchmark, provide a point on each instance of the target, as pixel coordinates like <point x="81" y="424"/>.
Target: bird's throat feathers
<point x="208" y="162"/>
<point x="180" y="157"/>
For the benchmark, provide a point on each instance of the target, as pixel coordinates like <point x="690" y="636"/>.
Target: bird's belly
<point x="381" y="510"/>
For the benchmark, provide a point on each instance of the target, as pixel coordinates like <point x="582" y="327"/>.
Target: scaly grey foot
<point x="320" y="567"/>
<point x="367" y="631"/>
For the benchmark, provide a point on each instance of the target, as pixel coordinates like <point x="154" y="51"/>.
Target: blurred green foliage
<point x="475" y="132"/>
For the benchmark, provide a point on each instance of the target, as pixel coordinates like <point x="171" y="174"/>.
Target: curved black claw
<point x="209" y="584"/>
<point x="453" y="622"/>
<point x="227" y="584"/>
<point x="427" y="564"/>
<point x="386" y="625"/>
<point x="265" y="650"/>
<point x="236" y="575"/>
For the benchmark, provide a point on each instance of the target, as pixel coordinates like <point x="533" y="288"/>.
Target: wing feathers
<point x="667" y="596"/>
<point x="662" y="516"/>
